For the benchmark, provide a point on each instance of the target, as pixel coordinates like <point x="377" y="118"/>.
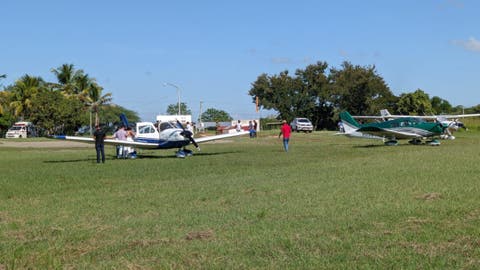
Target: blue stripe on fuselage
<point x="163" y="144"/>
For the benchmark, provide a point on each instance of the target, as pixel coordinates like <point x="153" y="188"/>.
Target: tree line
<point x="320" y="93"/>
<point x="209" y="115"/>
<point x="317" y="92"/>
<point x="74" y="100"/>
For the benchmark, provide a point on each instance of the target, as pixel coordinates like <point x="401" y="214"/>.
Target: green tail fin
<point x="346" y="117"/>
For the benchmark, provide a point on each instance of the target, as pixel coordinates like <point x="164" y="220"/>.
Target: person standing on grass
<point x="120" y="134"/>
<point x="99" y="136"/>
<point x="238" y="127"/>
<point x="250" y="128"/>
<point x="285" y="130"/>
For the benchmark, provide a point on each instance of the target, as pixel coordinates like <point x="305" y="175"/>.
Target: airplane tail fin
<point x="347" y="119"/>
<point x="385" y="113"/>
<point x="124" y="120"/>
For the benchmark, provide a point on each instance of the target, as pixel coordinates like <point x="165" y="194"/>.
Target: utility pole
<point x="200" y="114"/>
<point x="178" y="93"/>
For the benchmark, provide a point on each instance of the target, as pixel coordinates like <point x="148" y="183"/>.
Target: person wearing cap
<point x="285" y="130"/>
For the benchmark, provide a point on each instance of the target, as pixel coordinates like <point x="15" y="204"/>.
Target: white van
<point x="21" y="130"/>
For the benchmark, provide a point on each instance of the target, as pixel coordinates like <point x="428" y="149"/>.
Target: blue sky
<point x="214" y="50"/>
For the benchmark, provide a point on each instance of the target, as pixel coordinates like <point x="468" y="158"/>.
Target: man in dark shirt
<point x="99" y="136"/>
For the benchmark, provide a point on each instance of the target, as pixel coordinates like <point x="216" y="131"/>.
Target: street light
<point x="178" y="93"/>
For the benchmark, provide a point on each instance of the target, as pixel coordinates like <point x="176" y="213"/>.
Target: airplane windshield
<point x="166" y="125"/>
<point x="146" y="129"/>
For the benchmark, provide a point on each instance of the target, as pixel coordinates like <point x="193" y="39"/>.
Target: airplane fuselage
<point x="169" y="137"/>
<point x="403" y="128"/>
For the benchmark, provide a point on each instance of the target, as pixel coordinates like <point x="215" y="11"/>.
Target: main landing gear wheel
<point x="415" y="141"/>
<point x="182" y="153"/>
<point x="391" y="143"/>
<point x="433" y="142"/>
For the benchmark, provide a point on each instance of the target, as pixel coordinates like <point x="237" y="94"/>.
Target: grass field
<point x="330" y="203"/>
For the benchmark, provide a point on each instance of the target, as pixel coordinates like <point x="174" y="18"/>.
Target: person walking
<point x="285" y="130"/>
<point x="250" y="129"/>
<point x="99" y="136"/>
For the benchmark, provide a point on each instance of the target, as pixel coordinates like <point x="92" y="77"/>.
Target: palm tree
<point x="22" y="94"/>
<point x="3" y="97"/>
<point x="93" y="98"/>
<point x="4" y="101"/>
<point x="67" y="78"/>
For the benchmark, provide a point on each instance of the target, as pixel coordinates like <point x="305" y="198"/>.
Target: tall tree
<point x="214" y="115"/>
<point x="302" y="95"/>
<point x="23" y="91"/>
<point x="313" y="99"/>
<point x="440" y="106"/>
<point x="277" y="92"/>
<point x="360" y="90"/>
<point x="4" y="101"/>
<point x="416" y="103"/>
<point x="172" y="109"/>
<point x="6" y="118"/>
<point x="68" y="78"/>
<point x="93" y="98"/>
<point x="55" y="113"/>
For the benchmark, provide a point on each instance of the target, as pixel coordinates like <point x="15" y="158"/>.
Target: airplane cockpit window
<point x="165" y="125"/>
<point x="146" y="129"/>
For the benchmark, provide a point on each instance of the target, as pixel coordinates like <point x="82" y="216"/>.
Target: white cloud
<point x="470" y="45"/>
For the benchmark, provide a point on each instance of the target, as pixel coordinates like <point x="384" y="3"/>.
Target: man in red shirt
<point x="285" y="130"/>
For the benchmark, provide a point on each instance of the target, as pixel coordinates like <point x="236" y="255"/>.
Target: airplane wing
<point x="389" y="133"/>
<point x="431" y="117"/>
<point x="460" y="115"/>
<point x="144" y="145"/>
<point x="219" y="137"/>
<point x="395" y="116"/>
<point x="367" y="117"/>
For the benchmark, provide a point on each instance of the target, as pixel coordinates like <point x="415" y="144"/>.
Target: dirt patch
<point x="42" y="144"/>
<point x="429" y="196"/>
<point x="201" y="235"/>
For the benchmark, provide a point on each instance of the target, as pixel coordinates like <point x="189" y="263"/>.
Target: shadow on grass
<point x="71" y="160"/>
<point x="369" y="146"/>
<point x="144" y="156"/>
<point x="93" y="160"/>
<point x="382" y="145"/>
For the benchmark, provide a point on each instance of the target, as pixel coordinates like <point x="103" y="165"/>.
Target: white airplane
<point x="167" y="136"/>
<point x="451" y="122"/>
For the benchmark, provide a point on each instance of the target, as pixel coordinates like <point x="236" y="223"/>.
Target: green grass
<point x="330" y="203"/>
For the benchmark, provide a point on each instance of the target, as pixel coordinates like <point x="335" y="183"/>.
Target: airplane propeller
<point x="188" y="134"/>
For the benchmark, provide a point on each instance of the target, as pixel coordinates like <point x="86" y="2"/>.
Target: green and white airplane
<point x="450" y="121"/>
<point x="413" y="128"/>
